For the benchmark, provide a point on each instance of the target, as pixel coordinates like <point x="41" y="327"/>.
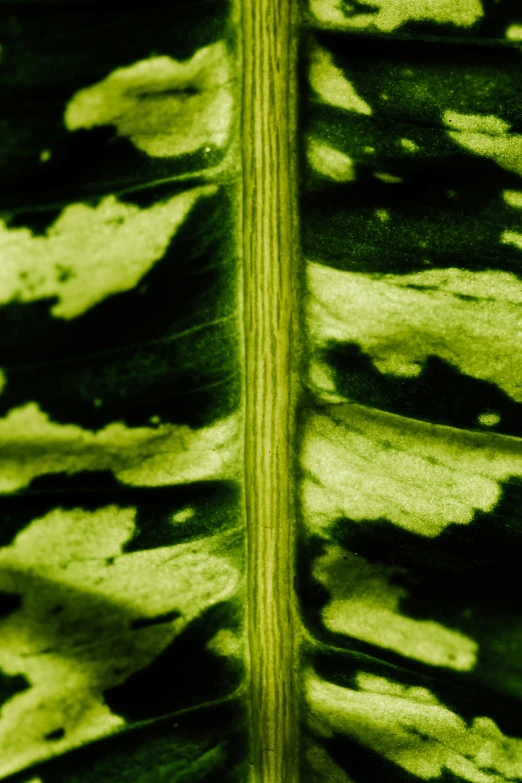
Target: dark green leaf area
<point x="214" y="508"/>
<point x="165" y="348"/>
<point x="416" y="81"/>
<point x="440" y="394"/>
<point x="202" y="675"/>
<point x="203" y="746"/>
<point x="52" y="50"/>
<point x="430" y="224"/>
<point x="363" y="764"/>
<point x="466" y="581"/>
<point x="9" y="602"/>
<point x="10" y="685"/>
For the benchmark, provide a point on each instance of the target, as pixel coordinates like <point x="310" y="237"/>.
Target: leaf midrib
<point x="270" y="256"/>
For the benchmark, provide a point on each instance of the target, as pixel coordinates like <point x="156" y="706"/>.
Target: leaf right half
<point x="411" y="458"/>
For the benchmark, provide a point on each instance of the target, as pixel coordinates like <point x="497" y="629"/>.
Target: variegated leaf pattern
<point x="411" y="459"/>
<point x="121" y="535"/>
<point x="122" y="586"/>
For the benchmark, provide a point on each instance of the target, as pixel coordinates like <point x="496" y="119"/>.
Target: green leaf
<point x="260" y="388"/>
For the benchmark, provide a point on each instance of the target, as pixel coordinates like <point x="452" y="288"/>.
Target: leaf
<point x="260" y="457"/>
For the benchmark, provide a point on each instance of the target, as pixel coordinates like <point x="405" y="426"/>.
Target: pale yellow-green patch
<point x="33" y="445"/>
<point x="3" y="380"/>
<point x="165" y="107"/>
<point x="363" y="464"/>
<point x="401" y="320"/>
<point x="329" y="162"/>
<point x="45" y="155"/>
<point x="80" y="629"/>
<point x="513" y="198"/>
<point x="388" y="15"/>
<point x="322" y="381"/>
<point x="320" y="767"/>
<point x="488" y="136"/>
<point x="415" y="732"/>
<point x="514" y="32"/>
<point x="409" y="145"/>
<point x="364" y="603"/>
<point x="489" y="419"/>
<point x="382" y="214"/>
<point x="183" y="515"/>
<point x="226" y="643"/>
<point x="389" y="178"/>
<point x="512" y="238"/>
<point x="376" y="684"/>
<point x="331" y="85"/>
<point x="476" y="123"/>
<point x="89" y="253"/>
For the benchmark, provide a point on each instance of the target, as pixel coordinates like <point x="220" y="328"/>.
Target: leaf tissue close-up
<point x="261" y="391"/>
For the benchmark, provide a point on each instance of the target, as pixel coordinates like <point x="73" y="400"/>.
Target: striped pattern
<point x="270" y="316"/>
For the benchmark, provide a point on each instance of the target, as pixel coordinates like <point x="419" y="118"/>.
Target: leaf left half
<point x="121" y="523"/>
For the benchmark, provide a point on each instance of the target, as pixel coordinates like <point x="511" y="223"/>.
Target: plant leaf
<point x="141" y="170"/>
<point x="410" y="451"/>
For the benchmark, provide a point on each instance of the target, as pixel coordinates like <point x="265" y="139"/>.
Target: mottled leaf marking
<point x="89" y="253"/>
<point x="411" y="728"/>
<point x="488" y="419"/>
<point x="472" y="320"/>
<point x="488" y="136"/>
<point x="331" y="85"/>
<point x="165" y="107"/>
<point x="364" y="603"/>
<point x="409" y="145"/>
<point x="514" y="32"/>
<point x="513" y="198"/>
<point x="329" y="162"/>
<point x="388" y="15"/>
<point x="362" y="464"/>
<point x="33" y="445"/>
<point x="76" y="634"/>
<point x="227" y="644"/>
<point x="390" y="179"/>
